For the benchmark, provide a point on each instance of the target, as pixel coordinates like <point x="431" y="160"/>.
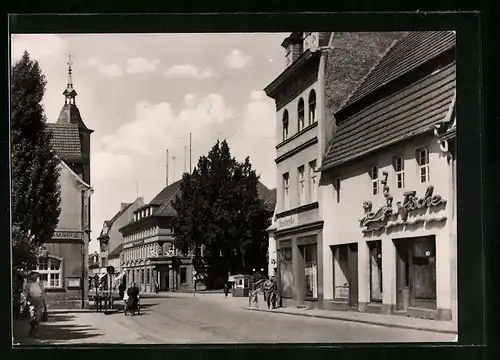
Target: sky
<point x="144" y="93"/>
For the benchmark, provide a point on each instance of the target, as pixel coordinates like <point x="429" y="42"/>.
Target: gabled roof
<point x="164" y="200"/>
<point x="110" y="223"/>
<point x="408" y="112"/>
<point x="116" y="252"/>
<point x="408" y="53"/>
<point x="75" y="175"/>
<point x="65" y="140"/>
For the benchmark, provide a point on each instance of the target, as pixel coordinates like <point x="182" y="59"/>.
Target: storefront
<point x="299" y="273"/>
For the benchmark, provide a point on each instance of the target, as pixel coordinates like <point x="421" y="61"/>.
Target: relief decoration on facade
<point x="410" y="203"/>
<point x="381" y="214"/>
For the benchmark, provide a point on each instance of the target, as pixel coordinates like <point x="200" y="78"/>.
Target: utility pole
<point x="137" y="188"/>
<point x="190" y="169"/>
<point x="173" y="160"/>
<point x="185" y="157"/>
<point x="166" y="171"/>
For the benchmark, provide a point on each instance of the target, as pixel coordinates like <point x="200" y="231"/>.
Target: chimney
<point x="124" y="205"/>
<point x="294" y="46"/>
<point x="140" y="200"/>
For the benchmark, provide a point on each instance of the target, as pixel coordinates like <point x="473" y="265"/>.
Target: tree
<point x="219" y="209"/>
<point x="36" y="195"/>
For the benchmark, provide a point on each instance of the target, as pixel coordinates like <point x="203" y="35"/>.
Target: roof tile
<point x="65" y="140"/>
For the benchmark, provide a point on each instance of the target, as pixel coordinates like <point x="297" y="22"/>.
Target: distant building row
<point x="366" y="204"/>
<point x="139" y="243"/>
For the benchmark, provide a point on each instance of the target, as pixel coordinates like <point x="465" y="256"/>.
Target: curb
<point x="339" y="318"/>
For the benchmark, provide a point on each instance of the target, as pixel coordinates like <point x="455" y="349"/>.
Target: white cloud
<point x="140" y="65"/>
<point x="105" y="165"/>
<point x="238" y="60"/>
<point x="109" y="70"/>
<point x="188" y="71"/>
<point x="37" y="45"/>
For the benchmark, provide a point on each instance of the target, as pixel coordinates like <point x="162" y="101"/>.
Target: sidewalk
<point x="77" y="328"/>
<point x="394" y="321"/>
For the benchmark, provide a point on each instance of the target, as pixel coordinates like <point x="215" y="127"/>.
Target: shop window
<point x="399" y="166"/>
<point x="50" y="271"/>
<point x="309" y="252"/>
<point x="375" y="179"/>
<point x="376" y="288"/>
<point x="148" y="276"/>
<point x="423" y="165"/>
<point x="183" y="275"/>
<point x="313" y="181"/>
<point x="286" y="272"/>
<point x="285" y="125"/>
<point x="300" y="115"/>
<point x="286" y="191"/>
<point x="312" y="107"/>
<point x="302" y="185"/>
<point x="337" y="189"/>
<point x="142" y="276"/>
<point x="341" y="272"/>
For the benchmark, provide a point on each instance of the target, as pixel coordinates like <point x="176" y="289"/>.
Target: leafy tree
<point x="219" y="209"/>
<point x="35" y="194"/>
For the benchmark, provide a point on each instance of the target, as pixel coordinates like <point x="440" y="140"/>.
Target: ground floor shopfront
<point x="299" y="263"/>
<point x="402" y="275"/>
<point x="164" y="273"/>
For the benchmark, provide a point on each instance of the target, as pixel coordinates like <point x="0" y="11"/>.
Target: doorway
<point x="416" y="273"/>
<point x="353" y="275"/>
<point x="167" y="282"/>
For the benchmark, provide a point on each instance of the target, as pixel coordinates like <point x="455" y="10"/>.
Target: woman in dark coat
<point x="133" y="299"/>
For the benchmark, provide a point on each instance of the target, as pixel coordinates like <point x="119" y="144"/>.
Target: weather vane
<point x="70" y="62"/>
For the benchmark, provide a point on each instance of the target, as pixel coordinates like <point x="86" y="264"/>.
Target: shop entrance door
<point x="166" y="285"/>
<point x="353" y="275"/>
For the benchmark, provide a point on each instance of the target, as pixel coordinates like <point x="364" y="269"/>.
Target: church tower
<point x="70" y="117"/>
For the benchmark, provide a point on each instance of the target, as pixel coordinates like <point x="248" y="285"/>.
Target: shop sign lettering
<point x="411" y="203"/>
<point x="287" y="221"/>
<point x="67" y="235"/>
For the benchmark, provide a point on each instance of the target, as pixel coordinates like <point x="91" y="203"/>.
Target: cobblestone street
<point x="184" y="318"/>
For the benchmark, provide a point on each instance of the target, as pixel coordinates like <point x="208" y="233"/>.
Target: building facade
<point x="149" y="256"/>
<point x="111" y="239"/>
<point x="388" y="194"/>
<point x="63" y="264"/>
<point x="321" y="68"/>
<point x="93" y="264"/>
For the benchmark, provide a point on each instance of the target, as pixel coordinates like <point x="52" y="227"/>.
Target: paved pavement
<point x="210" y="318"/>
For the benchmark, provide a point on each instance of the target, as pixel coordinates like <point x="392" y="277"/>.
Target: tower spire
<point x="70" y="92"/>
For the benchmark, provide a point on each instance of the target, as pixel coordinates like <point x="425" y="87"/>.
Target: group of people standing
<point x="270" y="290"/>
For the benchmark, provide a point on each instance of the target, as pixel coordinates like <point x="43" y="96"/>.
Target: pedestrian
<point x="226" y="290"/>
<point x="274" y="292"/>
<point x="36" y="301"/>
<point x="121" y="290"/>
<point x="268" y="285"/>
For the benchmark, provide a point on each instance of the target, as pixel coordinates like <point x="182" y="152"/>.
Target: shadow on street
<point x="55" y="329"/>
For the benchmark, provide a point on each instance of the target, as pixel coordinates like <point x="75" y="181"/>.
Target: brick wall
<point x="347" y="62"/>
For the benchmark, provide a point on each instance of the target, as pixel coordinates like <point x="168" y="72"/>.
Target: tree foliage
<point x="35" y="193"/>
<point x="219" y="211"/>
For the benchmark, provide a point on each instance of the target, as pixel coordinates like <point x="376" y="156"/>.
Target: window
<point x="312" y="107"/>
<point x="286" y="191"/>
<point x="313" y="182"/>
<point x="309" y="253"/>
<point x="300" y="114"/>
<point x="399" y="166"/>
<point x="374" y="176"/>
<point x="285" y="125"/>
<point x="142" y="276"/>
<point x="183" y="275"/>
<point x="337" y="189"/>
<point x="148" y="276"/>
<point x="302" y="185"/>
<point x="375" y="262"/>
<point x="423" y="165"/>
<point x="104" y="262"/>
<point x="50" y="272"/>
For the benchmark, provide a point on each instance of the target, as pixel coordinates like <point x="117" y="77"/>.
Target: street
<point x="182" y="319"/>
